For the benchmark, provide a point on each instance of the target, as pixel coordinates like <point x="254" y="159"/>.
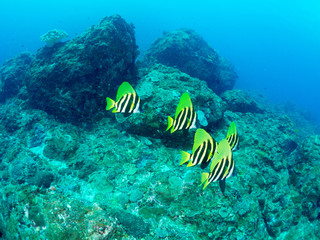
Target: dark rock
<point x="12" y="75"/>
<point x="42" y="179"/>
<point x="22" y="170"/>
<point x="310" y="149"/>
<point x="288" y="145"/>
<point x="84" y="167"/>
<point x="62" y="145"/>
<point x="186" y="50"/>
<point x="71" y="80"/>
<point x="38" y="136"/>
<point x="36" y="216"/>
<point x="274" y="226"/>
<point x="133" y="225"/>
<point x="160" y="90"/>
<point x="239" y="101"/>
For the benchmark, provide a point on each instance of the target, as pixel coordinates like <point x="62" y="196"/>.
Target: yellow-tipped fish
<point x="222" y="166"/>
<point x="185" y="116"/>
<point x="233" y="137"/>
<point x="203" y="149"/>
<point x="127" y="100"/>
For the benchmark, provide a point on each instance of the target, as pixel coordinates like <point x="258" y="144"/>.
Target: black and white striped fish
<point x="222" y="166"/>
<point x="185" y="116"/>
<point x="233" y="137"/>
<point x="203" y="149"/>
<point x="127" y="100"/>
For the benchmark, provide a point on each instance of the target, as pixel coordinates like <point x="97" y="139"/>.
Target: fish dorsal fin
<point x="200" y="136"/>
<point x="223" y="151"/>
<point x="124" y="89"/>
<point x="232" y="129"/>
<point x="185" y="101"/>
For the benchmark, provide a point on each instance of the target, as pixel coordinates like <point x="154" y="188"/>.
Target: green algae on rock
<point x="185" y="50"/>
<point x="12" y="75"/>
<point x="71" y="80"/>
<point x="239" y="101"/>
<point x="160" y="89"/>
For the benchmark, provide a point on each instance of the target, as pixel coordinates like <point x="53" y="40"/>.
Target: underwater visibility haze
<point x="274" y="45"/>
<point x="159" y="119"/>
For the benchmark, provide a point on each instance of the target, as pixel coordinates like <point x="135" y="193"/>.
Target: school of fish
<point x="205" y="149"/>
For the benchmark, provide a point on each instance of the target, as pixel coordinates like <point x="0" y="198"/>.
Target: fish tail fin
<point x="184" y="157"/>
<point x="204" y="180"/>
<point x="110" y="103"/>
<point x="170" y="122"/>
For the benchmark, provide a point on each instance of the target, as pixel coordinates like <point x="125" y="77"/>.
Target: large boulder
<point x="240" y="101"/>
<point x="310" y="149"/>
<point x="160" y="89"/>
<point x="71" y="80"/>
<point x="187" y="51"/>
<point x="12" y="75"/>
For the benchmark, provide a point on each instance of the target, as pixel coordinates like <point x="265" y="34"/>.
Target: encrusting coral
<point x="53" y="36"/>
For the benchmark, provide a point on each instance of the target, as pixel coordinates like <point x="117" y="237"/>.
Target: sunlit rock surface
<point x="70" y="80"/>
<point x="186" y="50"/>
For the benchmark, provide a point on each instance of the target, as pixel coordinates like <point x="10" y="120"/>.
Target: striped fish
<point x="203" y="149"/>
<point x="185" y="116"/>
<point x="221" y="167"/>
<point x="127" y="100"/>
<point x="233" y="137"/>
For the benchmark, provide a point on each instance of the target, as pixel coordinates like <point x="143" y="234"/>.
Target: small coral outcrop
<point x="53" y="36"/>
<point x="186" y="50"/>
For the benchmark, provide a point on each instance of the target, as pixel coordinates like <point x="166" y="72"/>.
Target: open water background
<point x="274" y="45"/>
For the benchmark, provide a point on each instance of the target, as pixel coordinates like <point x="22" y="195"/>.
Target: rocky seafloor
<point x="71" y="170"/>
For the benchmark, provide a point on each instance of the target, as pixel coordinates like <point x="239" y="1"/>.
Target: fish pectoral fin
<point x="204" y="176"/>
<point x="204" y="179"/>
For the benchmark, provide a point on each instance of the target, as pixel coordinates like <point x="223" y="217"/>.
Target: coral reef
<point x="239" y="101"/>
<point x="186" y="50"/>
<point x="161" y="84"/>
<point x="53" y="36"/>
<point x="70" y="80"/>
<point x="118" y="177"/>
<point x="12" y="76"/>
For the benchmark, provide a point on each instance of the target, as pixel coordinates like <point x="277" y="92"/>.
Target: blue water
<point x="274" y="45"/>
